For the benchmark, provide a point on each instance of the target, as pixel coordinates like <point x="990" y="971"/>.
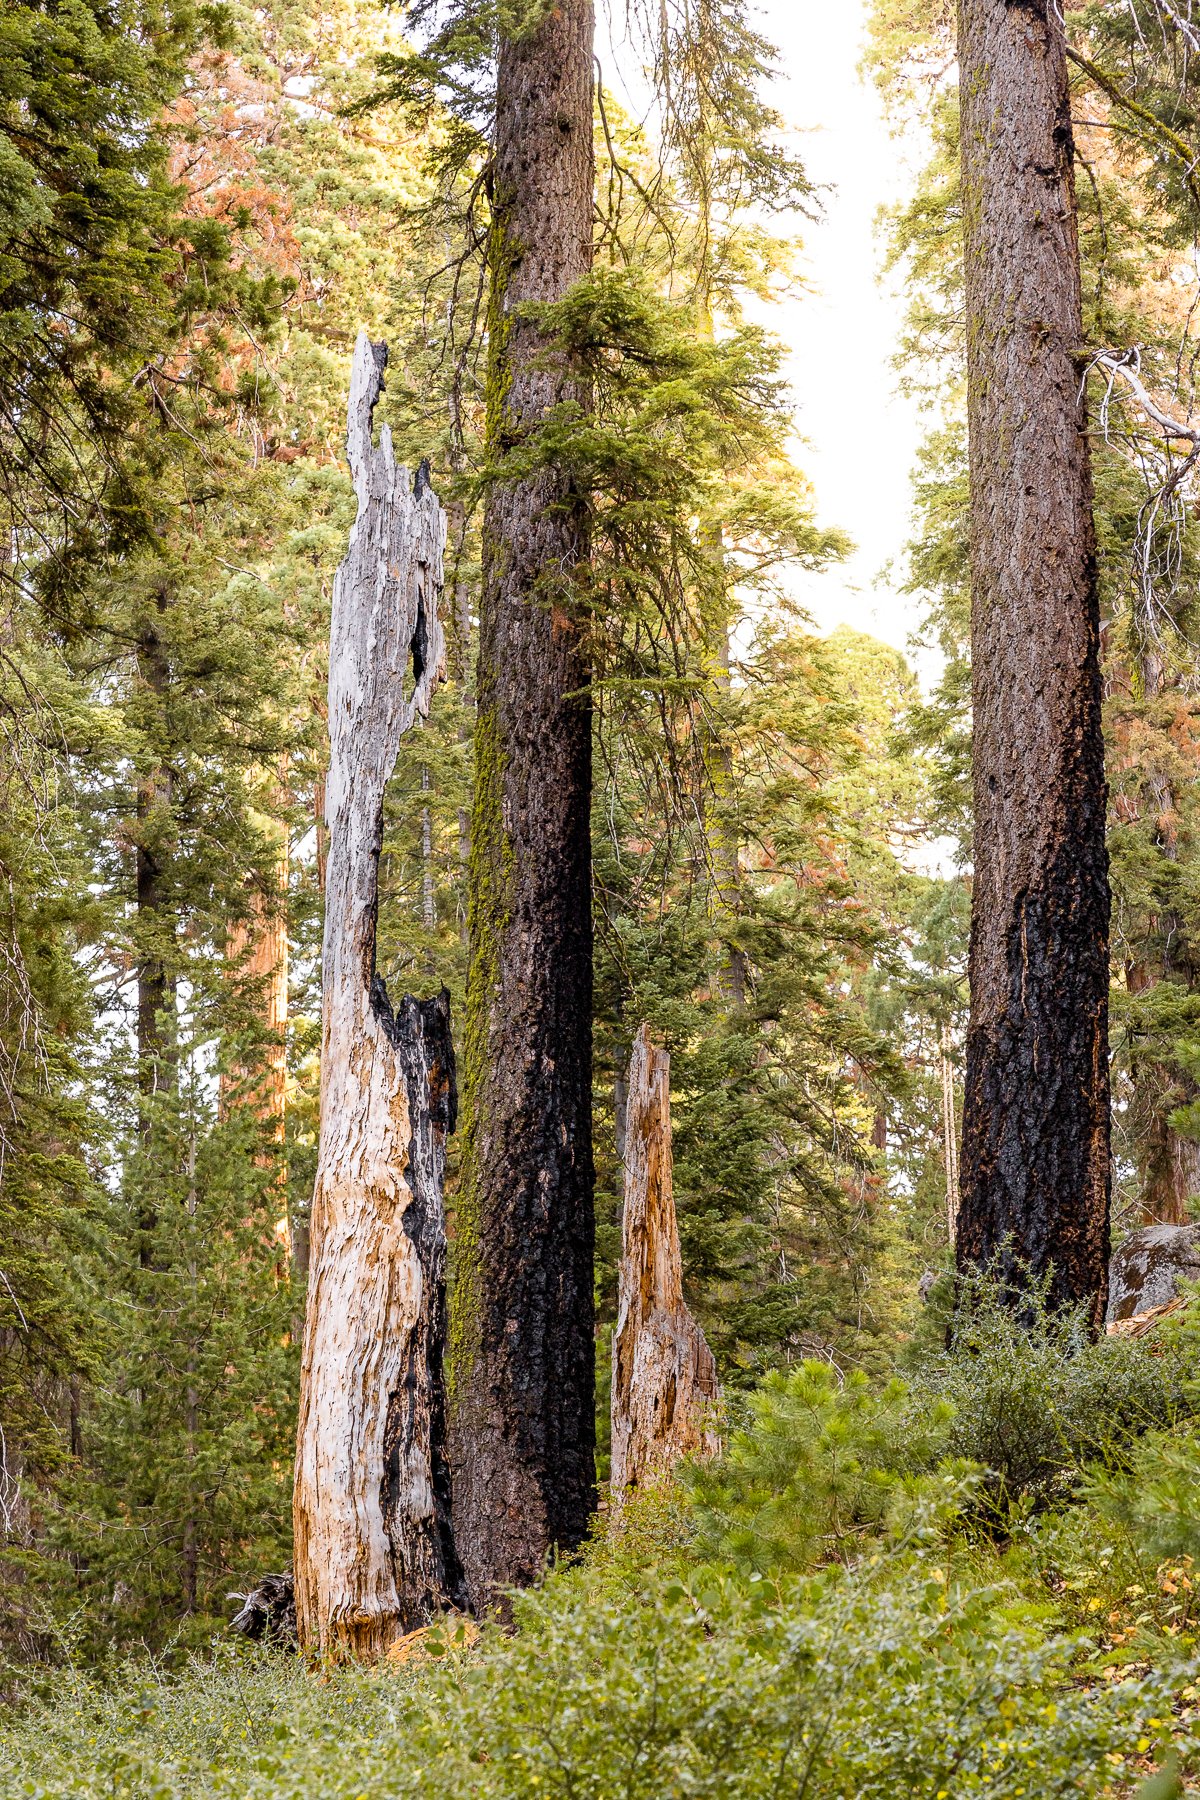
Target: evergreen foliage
<point x="974" y="1577"/>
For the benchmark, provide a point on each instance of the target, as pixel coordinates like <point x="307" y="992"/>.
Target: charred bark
<point x="664" y="1378"/>
<point x="1035" y="1152"/>
<point x="523" y="1340"/>
<point x="373" y="1551"/>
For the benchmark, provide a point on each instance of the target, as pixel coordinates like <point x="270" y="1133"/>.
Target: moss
<point x="490" y="873"/>
<point x="490" y="863"/>
<point x="501" y="257"/>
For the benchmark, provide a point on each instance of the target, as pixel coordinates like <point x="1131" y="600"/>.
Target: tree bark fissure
<point x="373" y="1553"/>
<point x="522" y="1332"/>
<point x="1035" y="1150"/>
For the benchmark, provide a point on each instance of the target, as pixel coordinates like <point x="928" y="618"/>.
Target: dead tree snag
<point x="664" y="1387"/>
<point x="374" y="1553"/>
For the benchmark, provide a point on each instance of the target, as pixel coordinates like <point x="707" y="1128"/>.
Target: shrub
<point x="895" y="1682"/>
<point x="817" y="1465"/>
<point x="1037" y="1404"/>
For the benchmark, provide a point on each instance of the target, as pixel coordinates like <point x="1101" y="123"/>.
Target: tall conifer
<point x="522" y="1336"/>
<point x="1035" y="1158"/>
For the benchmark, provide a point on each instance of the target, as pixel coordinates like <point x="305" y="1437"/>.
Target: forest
<point x="599" y="1168"/>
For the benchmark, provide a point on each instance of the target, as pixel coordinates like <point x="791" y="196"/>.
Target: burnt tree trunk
<point x="524" y="1356"/>
<point x="374" y="1554"/>
<point x="1035" y="1152"/>
<point x="664" y="1378"/>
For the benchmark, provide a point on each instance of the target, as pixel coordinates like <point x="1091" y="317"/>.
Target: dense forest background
<point x="199" y="207"/>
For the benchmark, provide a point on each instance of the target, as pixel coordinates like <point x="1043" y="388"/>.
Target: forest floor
<point x="974" y="1581"/>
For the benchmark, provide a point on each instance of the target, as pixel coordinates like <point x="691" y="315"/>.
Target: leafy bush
<point x="696" y="1653"/>
<point x="1036" y="1403"/>
<point x="1016" y="1414"/>
<point x="895" y="1682"/>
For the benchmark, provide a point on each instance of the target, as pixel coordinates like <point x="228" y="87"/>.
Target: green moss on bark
<point x="490" y="881"/>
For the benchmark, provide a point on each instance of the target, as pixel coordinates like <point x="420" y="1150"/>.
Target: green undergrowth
<point x="852" y="1602"/>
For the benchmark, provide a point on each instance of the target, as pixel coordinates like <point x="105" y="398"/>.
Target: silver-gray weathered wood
<point x="373" y="1551"/>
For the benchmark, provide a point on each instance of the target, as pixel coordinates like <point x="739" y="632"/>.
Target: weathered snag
<point x="664" y="1389"/>
<point x="374" y="1555"/>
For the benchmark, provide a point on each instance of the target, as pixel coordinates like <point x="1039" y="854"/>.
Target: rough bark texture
<point x="664" y="1386"/>
<point x="1172" y="1163"/>
<point x="267" y="1614"/>
<point x="523" y="1339"/>
<point x="374" y="1553"/>
<point x="1035" y="1153"/>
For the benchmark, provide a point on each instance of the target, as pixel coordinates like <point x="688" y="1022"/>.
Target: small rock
<point x="1147" y="1269"/>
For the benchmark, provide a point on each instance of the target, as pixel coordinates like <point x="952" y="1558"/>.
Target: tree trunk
<point x="950" y="1139"/>
<point x="664" y="1386"/>
<point x="1170" y="1163"/>
<point x="1171" y="1168"/>
<point x="524" y="1354"/>
<point x="461" y="670"/>
<point x="157" y="1047"/>
<point x="1035" y="1153"/>
<point x="374" y="1555"/>
<point x="257" y="953"/>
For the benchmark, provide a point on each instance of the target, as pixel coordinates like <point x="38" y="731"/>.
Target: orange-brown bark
<point x="664" y="1389"/>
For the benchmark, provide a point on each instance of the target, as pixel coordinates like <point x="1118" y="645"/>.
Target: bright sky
<point x="861" y="437"/>
<point x="858" y="437"/>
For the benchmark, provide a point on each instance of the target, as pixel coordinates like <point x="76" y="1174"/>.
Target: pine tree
<point x="524" y="1356"/>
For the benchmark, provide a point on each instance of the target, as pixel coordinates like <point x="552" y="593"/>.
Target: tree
<point x="1134" y="84"/>
<point x="372" y="1514"/>
<point x="664" y="1380"/>
<point x="1035" y="1158"/>
<point x="524" y="1357"/>
<point x="88" y="240"/>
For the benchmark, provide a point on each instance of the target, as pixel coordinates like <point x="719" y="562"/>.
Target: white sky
<point x="842" y="334"/>
<point x="859" y="436"/>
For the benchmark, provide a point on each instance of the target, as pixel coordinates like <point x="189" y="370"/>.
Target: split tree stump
<point x="374" y="1552"/>
<point x="664" y="1390"/>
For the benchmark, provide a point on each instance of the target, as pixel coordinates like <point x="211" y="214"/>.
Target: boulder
<point x="1147" y="1269"/>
